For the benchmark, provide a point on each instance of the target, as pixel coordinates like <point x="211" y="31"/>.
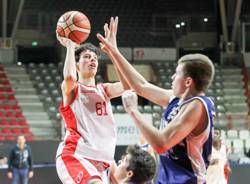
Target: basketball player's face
<point x="121" y="173"/>
<point x="88" y="63"/>
<point x="178" y="81"/>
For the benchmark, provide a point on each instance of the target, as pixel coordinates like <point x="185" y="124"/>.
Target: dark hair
<point x="141" y="163"/>
<point x="84" y="47"/>
<point x="200" y="68"/>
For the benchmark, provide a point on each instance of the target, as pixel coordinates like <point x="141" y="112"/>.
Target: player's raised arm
<point x="71" y="38"/>
<point x="135" y="80"/>
<point x="69" y="70"/>
<point x="113" y="89"/>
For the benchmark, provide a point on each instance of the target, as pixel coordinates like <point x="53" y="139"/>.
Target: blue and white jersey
<point x="186" y="162"/>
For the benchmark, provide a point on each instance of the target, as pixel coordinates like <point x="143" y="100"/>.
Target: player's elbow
<point x="139" y="88"/>
<point x="160" y="149"/>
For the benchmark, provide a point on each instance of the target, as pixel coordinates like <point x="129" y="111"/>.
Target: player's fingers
<point x="134" y="95"/>
<point x="60" y="39"/>
<point x="111" y="26"/>
<point x="125" y="102"/>
<point x="116" y="24"/>
<point x="100" y="37"/>
<point x="124" y="96"/>
<point x="106" y="30"/>
<point x="103" y="48"/>
<point x="131" y="98"/>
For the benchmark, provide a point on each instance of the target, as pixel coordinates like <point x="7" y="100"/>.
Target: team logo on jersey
<point x="173" y="113"/>
<point x="84" y="99"/>
<point x="170" y="117"/>
<point x="79" y="177"/>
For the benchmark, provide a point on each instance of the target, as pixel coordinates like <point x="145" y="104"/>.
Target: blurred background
<point x="152" y="35"/>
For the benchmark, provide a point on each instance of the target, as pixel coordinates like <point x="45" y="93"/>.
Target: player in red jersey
<point x="89" y="145"/>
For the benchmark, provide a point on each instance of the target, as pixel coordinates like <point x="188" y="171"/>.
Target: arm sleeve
<point x="30" y="160"/>
<point x="10" y="162"/>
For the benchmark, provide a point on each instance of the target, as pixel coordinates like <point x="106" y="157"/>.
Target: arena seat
<point x="238" y="146"/>
<point x="223" y="134"/>
<point x="157" y="108"/>
<point x="232" y="134"/>
<point x="10" y="138"/>
<point x="120" y="109"/>
<point x="147" y="109"/>
<point x="16" y="131"/>
<point x="229" y="145"/>
<point x="6" y="130"/>
<point x="244" y="134"/>
<point x="247" y="144"/>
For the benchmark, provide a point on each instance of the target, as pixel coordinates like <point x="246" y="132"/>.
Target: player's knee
<point x="95" y="181"/>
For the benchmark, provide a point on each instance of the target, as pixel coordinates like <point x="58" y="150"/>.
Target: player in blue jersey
<point x="184" y="141"/>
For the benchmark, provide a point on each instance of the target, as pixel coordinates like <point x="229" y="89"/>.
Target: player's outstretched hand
<point x="109" y="42"/>
<point x="66" y="42"/>
<point x="130" y="101"/>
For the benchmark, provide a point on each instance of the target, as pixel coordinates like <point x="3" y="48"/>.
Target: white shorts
<point x="215" y="175"/>
<point x="76" y="170"/>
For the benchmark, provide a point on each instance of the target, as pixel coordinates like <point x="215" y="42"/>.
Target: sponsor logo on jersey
<point x="79" y="177"/>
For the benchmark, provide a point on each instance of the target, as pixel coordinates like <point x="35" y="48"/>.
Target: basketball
<point x="74" y="25"/>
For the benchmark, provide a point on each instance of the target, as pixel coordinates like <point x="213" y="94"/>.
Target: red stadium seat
<point x="29" y="137"/>
<point x="19" y="115"/>
<point x="10" y="138"/>
<point x="16" y="131"/>
<point x="8" y="89"/>
<point x="6" y="130"/>
<point x="2" y="115"/>
<point x="3" y="75"/>
<point x="26" y="130"/>
<point x="2" y="97"/>
<point x="11" y="97"/>
<point x="5" y="82"/>
<point x="7" y="107"/>
<point x="4" y="123"/>
<point x="23" y="122"/>
<point x="10" y="114"/>
<point x="16" y="107"/>
<point x="14" y="123"/>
